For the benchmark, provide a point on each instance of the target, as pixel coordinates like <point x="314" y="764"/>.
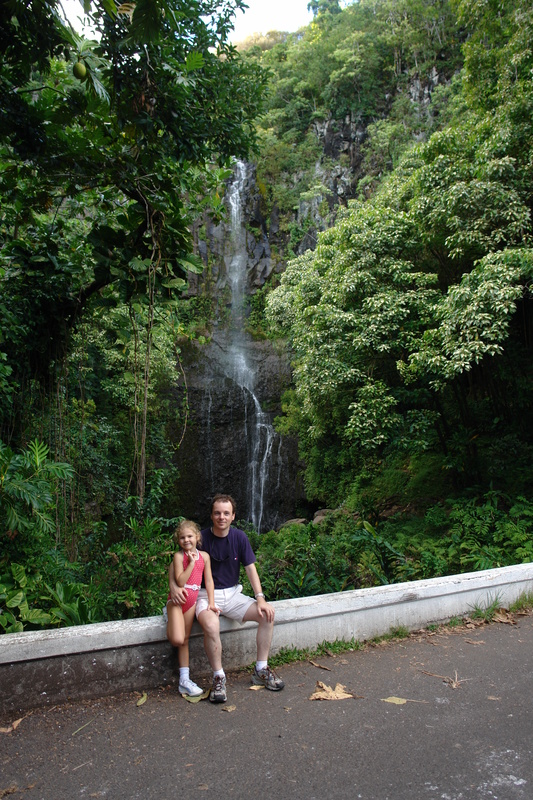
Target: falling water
<point x="259" y="433"/>
<point x="230" y="444"/>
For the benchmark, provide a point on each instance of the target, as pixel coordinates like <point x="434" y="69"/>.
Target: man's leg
<point x="264" y="631"/>
<point x="263" y="675"/>
<point x="210" y="625"/>
<point x="213" y="648"/>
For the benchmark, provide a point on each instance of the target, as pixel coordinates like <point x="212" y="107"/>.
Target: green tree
<point x="411" y="322"/>
<point x="102" y="177"/>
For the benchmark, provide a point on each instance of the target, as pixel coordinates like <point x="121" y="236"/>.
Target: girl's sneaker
<point x="190" y="688"/>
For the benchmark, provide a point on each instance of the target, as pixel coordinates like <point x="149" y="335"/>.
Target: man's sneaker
<point x="267" y="677"/>
<point x="190" y="688"/>
<point x="218" y="691"/>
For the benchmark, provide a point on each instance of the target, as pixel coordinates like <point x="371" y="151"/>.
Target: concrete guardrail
<point x="47" y="667"/>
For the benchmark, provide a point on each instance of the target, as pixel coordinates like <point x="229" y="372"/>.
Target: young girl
<point x="189" y="565"/>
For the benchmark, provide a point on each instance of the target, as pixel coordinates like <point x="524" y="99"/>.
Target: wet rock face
<point x="215" y="453"/>
<point x="213" y="245"/>
<point x="235" y="383"/>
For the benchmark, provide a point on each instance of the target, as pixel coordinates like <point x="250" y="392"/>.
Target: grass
<point x="455" y="622"/>
<point x="524" y="603"/>
<point x="485" y="613"/>
<point x="290" y="655"/>
<point x="401" y="632"/>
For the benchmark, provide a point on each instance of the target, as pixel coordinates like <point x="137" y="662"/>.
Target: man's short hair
<point x="224" y="498"/>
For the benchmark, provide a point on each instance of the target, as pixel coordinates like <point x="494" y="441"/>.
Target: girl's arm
<point x="181" y="575"/>
<point x="209" y="582"/>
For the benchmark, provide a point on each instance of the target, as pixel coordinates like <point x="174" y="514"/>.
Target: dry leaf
<point x="203" y="787"/>
<point x="474" y="641"/>
<point x="198" y="697"/>
<point x="503" y="616"/>
<point x="229" y="708"/>
<point x="143" y="700"/>
<point x="493" y="698"/>
<point x="9" y="790"/>
<point x="320" y="666"/>
<point x="325" y="692"/>
<point x="255" y="688"/>
<point x="398" y="701"/>
<point x="12" y="727"/>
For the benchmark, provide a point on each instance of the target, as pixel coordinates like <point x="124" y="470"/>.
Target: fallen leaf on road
<point x="325" y="692"/>
<point x="12" y="727"/>
<point x="320" y="666"/>
<point x="503" y="616"/>
<point x="229" y="709"/>
<point x="196" y="699"/>
<point x="474" y="641"/>
<point x="143" y="700"/>
<point x="470" y="623"/>
<point x="493" y="698"/>
<point x="9" y="790"/>
<point x="255" y="688"/>
<point x="400" y="701"/>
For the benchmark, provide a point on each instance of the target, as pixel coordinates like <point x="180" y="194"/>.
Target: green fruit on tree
<point x="80" y="70"/>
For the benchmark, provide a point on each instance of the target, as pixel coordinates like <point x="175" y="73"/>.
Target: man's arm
<point x="178" y="594"/>
<point x="262" y="606"/>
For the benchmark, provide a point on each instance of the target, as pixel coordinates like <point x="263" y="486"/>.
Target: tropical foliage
<point x="109" y="149"/>
<point x="409" y="324"/>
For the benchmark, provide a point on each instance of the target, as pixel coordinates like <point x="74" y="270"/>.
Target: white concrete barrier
<point x="48" y="666"/>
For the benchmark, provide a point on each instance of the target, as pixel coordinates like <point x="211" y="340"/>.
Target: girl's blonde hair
<point x="188" y="523"/>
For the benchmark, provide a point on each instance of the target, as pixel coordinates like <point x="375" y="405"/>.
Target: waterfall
<point x="235" y="381"/>
<point x="258" y="431"/>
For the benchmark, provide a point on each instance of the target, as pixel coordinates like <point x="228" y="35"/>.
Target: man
<point x="228" y="548"/>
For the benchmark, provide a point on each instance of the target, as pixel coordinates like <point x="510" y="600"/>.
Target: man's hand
<point x="264" y="609"/>
<point x="178" y="595"/>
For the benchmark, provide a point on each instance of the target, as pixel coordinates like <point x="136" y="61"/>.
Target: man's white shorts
<point x="231" y="602"/>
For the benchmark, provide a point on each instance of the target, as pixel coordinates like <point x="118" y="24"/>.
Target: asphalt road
<point x="465" y="732"/>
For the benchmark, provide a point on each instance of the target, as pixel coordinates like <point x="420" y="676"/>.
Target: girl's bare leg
<point x="183" y="649"/>
<point x="175" y="625"/>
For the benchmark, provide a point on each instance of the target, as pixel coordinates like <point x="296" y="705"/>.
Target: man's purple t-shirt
<point x="227" y="554"/>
